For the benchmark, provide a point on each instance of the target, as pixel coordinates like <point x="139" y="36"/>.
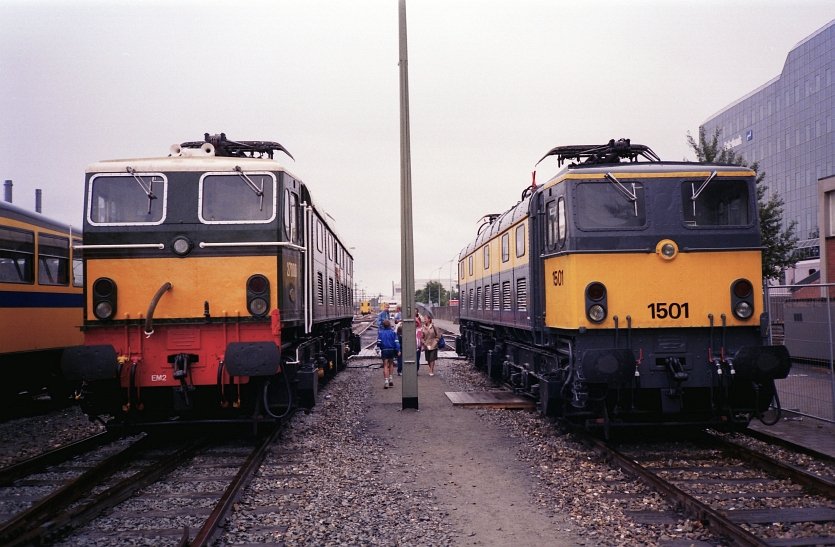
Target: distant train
<point x="626" y="291"/>
<point x="216" y="291"/>
<point x="365" y="307"/>
<point x="40" y="301"/>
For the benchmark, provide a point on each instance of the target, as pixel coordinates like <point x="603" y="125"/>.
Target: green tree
<point x="778" y="244"/>
<point x="430" y="292"/>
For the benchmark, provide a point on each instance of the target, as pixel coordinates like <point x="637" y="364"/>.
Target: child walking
<point x="389" y="350"/>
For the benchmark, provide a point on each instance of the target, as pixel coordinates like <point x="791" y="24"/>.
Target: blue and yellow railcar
<point x="626" y="291"/>
<point x="216" y="291"/>
<point x="40" y="301"/>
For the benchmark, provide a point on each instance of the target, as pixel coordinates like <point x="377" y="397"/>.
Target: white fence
<point x="802" y="319"/>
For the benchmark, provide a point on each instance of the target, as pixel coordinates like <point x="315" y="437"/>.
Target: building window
<point x="830" y="202"/>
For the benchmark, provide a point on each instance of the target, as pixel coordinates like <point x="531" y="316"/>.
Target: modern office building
<point x="786" y="125"/>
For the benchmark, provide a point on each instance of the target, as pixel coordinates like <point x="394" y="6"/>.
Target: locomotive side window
<point x="486" y="253"/>
<point x="562" y="225"/>
<point x="606" y="205"/>
<point x="319" y="235"/>
<point x="17" y="256"/>
<point x="470" y="264"/>
<point x="551" y="224"/>
<point x="53" y="260"/>
<point x="127" y="199"/>
<point x="240" y="198"/>
<point x="77" y="265"/>
<point x="716" y="203"/>
<point x="291" y="216"/>
<point x="505" y="247"/>
<point x="520" y="240"/>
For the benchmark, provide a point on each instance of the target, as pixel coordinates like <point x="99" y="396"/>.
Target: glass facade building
<point x="786" y="125"/>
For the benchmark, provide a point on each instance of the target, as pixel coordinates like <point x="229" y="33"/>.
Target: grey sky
<point x="494" y="85"/>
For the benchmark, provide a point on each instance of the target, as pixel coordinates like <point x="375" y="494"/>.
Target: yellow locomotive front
<point x="640" y="300"/>
<point x="653" y="279"/>
<point x="194" y="267"/>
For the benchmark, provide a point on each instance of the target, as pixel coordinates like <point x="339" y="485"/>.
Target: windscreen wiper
<point x="698" y="191"/>
<point x="254" y="187"/>
<point x="630" y="195"/>
<point x="148" y="189"/>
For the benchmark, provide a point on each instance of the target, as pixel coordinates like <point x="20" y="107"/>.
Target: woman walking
<point x="431" y="335"/>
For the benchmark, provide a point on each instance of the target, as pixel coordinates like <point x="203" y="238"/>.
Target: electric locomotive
<point x="40" y="301"/>
<point x="216" y="291"/>
<point x="625" y="291"/>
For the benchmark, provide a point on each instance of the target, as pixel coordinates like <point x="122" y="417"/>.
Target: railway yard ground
<point x="359" y="470"/>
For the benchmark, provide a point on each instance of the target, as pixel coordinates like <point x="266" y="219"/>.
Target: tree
<point x="431" y="292"/>
<point x="778" y="244"/>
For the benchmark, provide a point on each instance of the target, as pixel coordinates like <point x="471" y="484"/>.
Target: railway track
<point x="739" y="493"/>
<point x="173" y="487"/>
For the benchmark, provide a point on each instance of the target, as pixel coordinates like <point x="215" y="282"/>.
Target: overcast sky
<point x="494" y="85"/>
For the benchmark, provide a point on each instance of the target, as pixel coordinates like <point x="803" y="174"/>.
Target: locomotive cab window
<point x="715" y="203"/>
<point x="17" y="254"/>
<point x="127" y="199"/>
<point x="53" y="260"/>
<point x="562" y="225"/>
<point x="237" y="198"/>
<point x="611" y="204"/>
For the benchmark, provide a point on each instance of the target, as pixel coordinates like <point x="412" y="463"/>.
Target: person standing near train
<point x="389" y="350"/>
<point x="431" y="335"/>
<point x="418" y="339"/>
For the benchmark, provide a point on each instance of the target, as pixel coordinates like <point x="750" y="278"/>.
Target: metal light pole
<point x="407" y="252"/>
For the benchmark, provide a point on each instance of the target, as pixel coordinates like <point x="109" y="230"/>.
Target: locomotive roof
<point x="665" y="169"/>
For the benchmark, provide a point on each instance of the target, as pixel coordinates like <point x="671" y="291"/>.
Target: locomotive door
<point x="292" y="291"/>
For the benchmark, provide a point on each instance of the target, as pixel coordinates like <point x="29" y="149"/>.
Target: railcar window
<point x="602" y="205"/>
<point x="231" y="199"/>
<point x="520" y="240"/>
<point x="17" y="256"/>
<point x="720" y="203"/>
<point x="506" y="247"/>
<point x="53" y="260"/>
<point x="132" y="198"/>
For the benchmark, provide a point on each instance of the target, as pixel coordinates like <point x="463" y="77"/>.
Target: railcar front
<point x="40" y="301"/>
<point x="197" y="280"/>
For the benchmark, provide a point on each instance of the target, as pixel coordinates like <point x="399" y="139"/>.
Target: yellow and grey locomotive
<point x="626" y="291"/>
<point x="215" y="289"/>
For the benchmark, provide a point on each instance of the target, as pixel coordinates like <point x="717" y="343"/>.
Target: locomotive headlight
<point x="596" y="303"/>
<point x="258" y="295"/>
<point x="104" y="310"/>
<point x="743" y="310"/>
<point x="742" y="298"/>
<point x="258" y="306"/>
<point x="666" y="249"/>
<point x="104" y="298"/>
<point x="597" y="313"/>
<point x="182" y="245"/>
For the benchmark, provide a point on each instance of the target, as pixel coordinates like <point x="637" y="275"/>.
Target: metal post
<point x="407" y="256"/>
